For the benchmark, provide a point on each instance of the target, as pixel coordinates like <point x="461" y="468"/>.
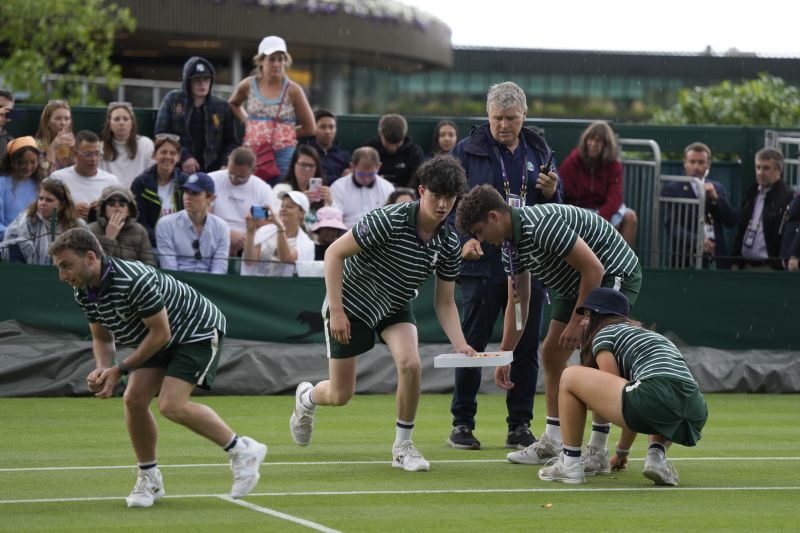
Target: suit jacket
<point x="721" y="213"/>
<point x="775" y="204"/>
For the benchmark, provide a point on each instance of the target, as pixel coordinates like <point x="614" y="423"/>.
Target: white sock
<point x="553" y="428"/>
<point x="306" y="399"/>
<point x="571" y="455"/>
<point x="599" y="438"/>
<point x="403" y="431"/>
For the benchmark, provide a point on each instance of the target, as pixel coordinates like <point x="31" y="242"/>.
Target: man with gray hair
<point x="237" y="192"/>
<point x="510" y="157"/>
<point x="758" y="239"/>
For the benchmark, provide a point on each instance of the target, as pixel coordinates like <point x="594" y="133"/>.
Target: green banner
<point x="722" y="309"/>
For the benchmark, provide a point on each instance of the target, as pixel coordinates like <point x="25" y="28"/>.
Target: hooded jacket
<point x="481" y="166"/>
<point x="400" y="168"/>
<point x="176" y="111"/>
<point x="132" y="242"/>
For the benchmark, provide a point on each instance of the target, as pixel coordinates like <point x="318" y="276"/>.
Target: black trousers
<point x="482" y="303"/>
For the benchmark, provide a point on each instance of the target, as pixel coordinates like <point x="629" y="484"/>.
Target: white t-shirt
<point x="267" y="237"/>
<point x="233" y="201"/>
<point x="125" y="168"/>
<point x="166" y="197"/>
<point x="355" y="201"/>
<point x="85" y="190"/>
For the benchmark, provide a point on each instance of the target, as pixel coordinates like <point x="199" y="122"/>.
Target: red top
<point x="598" y="188"/>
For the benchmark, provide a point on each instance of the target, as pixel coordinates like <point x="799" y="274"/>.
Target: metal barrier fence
<point x="681" y="230"/>
<point x="788" y="143"/>
<point x="641" y="166"/>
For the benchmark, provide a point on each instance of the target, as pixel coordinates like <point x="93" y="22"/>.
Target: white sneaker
<point x="405" y="456"/>
<point x="149" y="488"/>
<point x="595" y="461"/>
<point x="556" y="470"/>
<point x="301" y="423"/>
<point x="537" y="453"/>
<point x="658" y="470"/>
<point x="246" y="458"/>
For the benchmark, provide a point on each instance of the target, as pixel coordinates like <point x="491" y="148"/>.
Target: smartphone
<point x="313" y="186"/>
<point x="259" y="212"/>
<point x="548" y="167"/>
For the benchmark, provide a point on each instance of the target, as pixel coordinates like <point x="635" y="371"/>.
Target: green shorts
<point x="672" y="408"/>
<point x="564" y="306"/>
<point x="193" y="362"/>
<point x="362" y="336"/>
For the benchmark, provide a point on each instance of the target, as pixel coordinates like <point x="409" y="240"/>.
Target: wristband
<point x="620" y="452"/>
<point x="123" y="368"/>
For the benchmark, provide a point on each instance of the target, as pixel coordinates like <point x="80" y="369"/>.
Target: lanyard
<point x="508" y="246"/>
<point x="523" y="185"/>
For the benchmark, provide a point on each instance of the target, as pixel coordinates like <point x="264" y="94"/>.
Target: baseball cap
<point x="199" y="182"/>
<point x="605" y="301"/>
<point x="297" y="197"/>
<point x="201" y="70"/>
<point x="329" y="217"/>
<point x="271" y="44"/>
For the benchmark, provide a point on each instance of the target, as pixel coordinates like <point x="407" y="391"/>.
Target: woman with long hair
<point x="592" y="178"/>
<point x="633" y="378"/>
<point x="445" y="138"/>
<point x="55" y="137"/>
<point x="273" y="108"/>
<point x="307" y="176"/>
<point x="51" y="214"/>
<point x="21" y="173"/>
<point x="126" y="154"/>
<point x="157" y="190"/>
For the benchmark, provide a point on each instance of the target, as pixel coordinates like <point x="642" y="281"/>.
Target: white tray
<point x="451" y="360"/>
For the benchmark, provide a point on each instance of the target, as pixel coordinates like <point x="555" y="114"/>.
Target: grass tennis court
<point x="66" y="465"/>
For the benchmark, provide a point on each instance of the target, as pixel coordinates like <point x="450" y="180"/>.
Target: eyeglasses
<point x="114" y="105"/>
<point x="89" y="155"/>
<point x="360" y="174"/>
<point x="170" y="136"/>
<point x="196" y="245"/>
<point x="117" y="202"/>
<point x="306" y="166"/>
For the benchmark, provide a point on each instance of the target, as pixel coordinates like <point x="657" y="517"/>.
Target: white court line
<point x="419" y="491"/>
<point x="282" y="516"/>
<point x="338" y="463"/>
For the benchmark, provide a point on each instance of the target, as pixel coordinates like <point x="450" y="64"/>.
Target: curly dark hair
<point x="475" y="207"/>
<point x="443" y="174"/>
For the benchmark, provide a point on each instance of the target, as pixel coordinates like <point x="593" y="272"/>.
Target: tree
<point x="766" y="101"/>
<point x="74" y="38"/>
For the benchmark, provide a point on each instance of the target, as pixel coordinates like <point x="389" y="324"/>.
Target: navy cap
<point x="199" y="182"/>
<point x="605" y="301"/>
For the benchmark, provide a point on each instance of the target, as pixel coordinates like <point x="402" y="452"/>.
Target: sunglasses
<point x="360" y="174"/>
<point x="169" y="136"/>
<point x="196" y="245"/>
<point x="117" y="202"/>
<point x="89" y="155"/>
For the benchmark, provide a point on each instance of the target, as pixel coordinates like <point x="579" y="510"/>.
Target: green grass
<point x="721" y="489"/>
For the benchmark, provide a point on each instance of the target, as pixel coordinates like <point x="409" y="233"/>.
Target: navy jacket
<point x="790" y="233"/>
<point x="400" y="168"/>
<point x="481" y="166"/>
<point x="721" y="213"/>
<point x="145" y="191"/>
<point x="334" y="160"/>
<point x="775" y="204"/>
<point x="175" y="114"/>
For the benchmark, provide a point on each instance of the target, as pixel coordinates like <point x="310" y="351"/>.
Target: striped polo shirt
<point x="394" y="262"/>
<point x="130" y="291"/>
<point x="545" y="234"/>
<point x="641" y="353"/>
